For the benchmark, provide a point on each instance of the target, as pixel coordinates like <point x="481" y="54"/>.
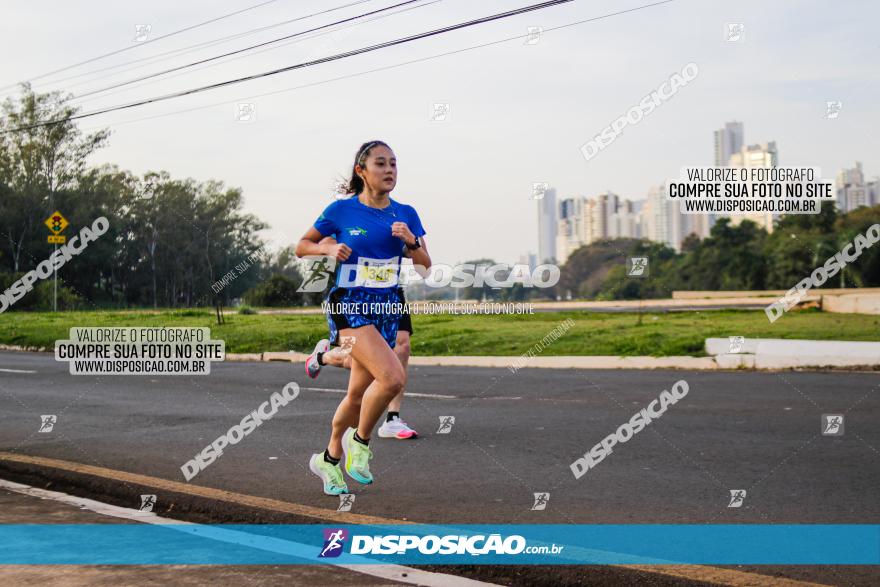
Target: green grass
<point x="659" y="334"/>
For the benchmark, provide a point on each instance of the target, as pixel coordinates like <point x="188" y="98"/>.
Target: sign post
<point x="56" y="223"/>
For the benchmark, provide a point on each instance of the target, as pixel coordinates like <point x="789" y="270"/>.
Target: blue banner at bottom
<point x="417" y="544"/>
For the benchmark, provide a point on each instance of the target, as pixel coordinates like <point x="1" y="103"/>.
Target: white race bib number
<point x="377" y="272"/>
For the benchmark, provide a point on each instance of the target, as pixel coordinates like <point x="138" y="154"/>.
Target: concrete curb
<point x="725" y="361"/>
<point x="779" y="353"/>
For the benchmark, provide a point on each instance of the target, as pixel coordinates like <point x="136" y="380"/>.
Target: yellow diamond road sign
<point x="56" y="223"/>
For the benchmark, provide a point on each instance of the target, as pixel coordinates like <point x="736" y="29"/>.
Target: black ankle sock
<point x="361" y="440"/>
<point x="321" y="359"/>
<point x="329" y="459"/>
<point x="392" y="415"/>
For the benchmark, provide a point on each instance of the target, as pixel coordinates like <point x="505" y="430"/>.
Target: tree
<point x="36" y="162"/>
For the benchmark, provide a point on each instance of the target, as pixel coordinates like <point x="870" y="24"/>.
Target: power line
<point x="78" y="102"/>
<point x="191" y="48"/>
<point x="237" y="51"/>
<point x="378" y="46"/>
<point x="385" y="68"/>
<point x="171" y="34"/>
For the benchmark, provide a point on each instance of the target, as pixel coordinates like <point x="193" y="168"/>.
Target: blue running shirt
<point x="374" y="264"/>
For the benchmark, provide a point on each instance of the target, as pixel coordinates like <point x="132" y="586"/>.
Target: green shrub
<point x="276" y="291"/>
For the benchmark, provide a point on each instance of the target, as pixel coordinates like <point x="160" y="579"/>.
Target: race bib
<point x="377" y="272"/>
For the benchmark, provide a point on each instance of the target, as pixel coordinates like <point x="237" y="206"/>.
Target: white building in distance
<point x="762" y="155"/>
<point x="547" y="219"/>
<point x="852" y="190"/>
<point x="728" y="140"/>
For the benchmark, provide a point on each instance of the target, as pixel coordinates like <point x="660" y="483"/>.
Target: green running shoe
<point x="357" y="458"/>
<point x="331" y="475"/>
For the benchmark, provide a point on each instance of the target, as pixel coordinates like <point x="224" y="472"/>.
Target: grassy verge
<point x="657" y="334"/>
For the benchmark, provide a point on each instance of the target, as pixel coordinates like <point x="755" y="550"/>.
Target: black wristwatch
<point x="418" y="245"/>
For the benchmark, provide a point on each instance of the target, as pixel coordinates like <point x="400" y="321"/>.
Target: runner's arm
<point x="313" y="243"/>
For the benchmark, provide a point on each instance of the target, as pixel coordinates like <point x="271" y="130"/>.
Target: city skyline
<point x="582" y="220"/>
<point x="510" y="123"/>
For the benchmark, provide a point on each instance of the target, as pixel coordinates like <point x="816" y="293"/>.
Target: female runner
<point x="372" y="233"/>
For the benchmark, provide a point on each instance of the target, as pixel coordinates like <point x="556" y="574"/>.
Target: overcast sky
<point x="519" y="112"/>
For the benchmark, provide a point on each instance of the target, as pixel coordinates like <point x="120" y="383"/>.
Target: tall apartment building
<point x="586" y="220"/>
<point x="570" y="227"/>
<point x="852" y="191"/>
<point x="547" y="225"/>
<point x="728" y="140"/>
<point x="598" y="213"/>
<point x="762" y="155"/>
<point x="662" y="220"/>
<point x="625" y="222"/>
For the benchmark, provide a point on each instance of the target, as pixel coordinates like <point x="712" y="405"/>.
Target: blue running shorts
<point x="353" y="308"/>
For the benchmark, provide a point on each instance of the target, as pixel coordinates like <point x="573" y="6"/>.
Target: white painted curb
<point x="777" y="353"/>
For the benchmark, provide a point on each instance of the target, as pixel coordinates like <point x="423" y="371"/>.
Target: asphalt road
<point x="514" y="435"/>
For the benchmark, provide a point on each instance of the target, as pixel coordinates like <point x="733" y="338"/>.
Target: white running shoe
<point x="312" y="365"/>
<point x="396" y="428"/>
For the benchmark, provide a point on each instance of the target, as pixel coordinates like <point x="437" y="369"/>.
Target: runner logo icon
<point x="147" y="503"/>
<point x="47" y="423"/>
<point x="346" y="500"/>
<point x="334" y="540"/>
<point x="637" y="267"/>
<point x="832" y="424"/>
<point x="541" y="500"/>
<point x="446" y="423"/>
<point x="318" y="271"/>
<point x="737" y="496"/>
